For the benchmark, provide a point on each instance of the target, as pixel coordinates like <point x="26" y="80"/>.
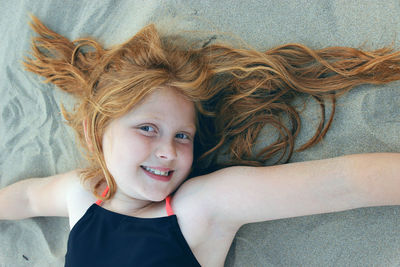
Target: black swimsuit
<point x="105" y="238"/>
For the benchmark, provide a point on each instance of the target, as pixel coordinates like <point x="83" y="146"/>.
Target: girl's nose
<point x="166" y="151"/>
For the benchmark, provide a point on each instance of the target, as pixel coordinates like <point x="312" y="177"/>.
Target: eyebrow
<point x="192" y="127"/>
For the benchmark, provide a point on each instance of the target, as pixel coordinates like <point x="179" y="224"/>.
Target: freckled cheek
<point x="137" y="146"/>
<point x="186" y="155"/>
<point x="129" y="149"/>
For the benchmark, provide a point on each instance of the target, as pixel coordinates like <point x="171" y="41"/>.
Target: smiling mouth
<point x="164" y="178"/>
<point x="156" y="172"/>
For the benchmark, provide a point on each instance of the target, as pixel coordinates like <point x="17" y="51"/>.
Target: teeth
<point x="156" y="171"/>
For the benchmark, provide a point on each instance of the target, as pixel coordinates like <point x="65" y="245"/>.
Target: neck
<point x="127" y="205"/>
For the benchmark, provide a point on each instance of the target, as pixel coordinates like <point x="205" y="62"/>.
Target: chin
<point x="155" y="196"/>
<point x="158" y="198"/>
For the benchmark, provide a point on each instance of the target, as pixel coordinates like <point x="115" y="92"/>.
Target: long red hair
<point x="236" y="92"/>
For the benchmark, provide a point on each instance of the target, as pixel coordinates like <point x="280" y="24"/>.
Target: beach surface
<point x="35" y="142"/>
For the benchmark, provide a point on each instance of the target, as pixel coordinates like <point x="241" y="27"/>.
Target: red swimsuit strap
<point x="168" y="206"/>
<point x="99" y="201"/>
<point x="167" y="202"/>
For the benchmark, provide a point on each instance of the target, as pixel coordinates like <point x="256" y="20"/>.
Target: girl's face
<point x="155" y="136"/>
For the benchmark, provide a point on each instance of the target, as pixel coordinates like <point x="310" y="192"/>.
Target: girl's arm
<point x="238" y="195"/>
<point x="37" y="197"/>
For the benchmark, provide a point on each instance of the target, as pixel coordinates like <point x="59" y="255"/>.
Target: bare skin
<point x="210" y="208"/>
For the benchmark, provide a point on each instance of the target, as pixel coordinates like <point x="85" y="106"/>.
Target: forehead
<point x="166" y="104"/>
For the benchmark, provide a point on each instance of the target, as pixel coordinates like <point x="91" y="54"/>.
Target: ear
<point x="88" y="141"/>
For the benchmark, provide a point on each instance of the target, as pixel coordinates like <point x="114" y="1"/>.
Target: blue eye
<point x="182" y="136"/>
<point x="147" y="128"/>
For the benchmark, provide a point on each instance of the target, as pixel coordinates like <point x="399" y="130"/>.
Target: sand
<point x="34" y="141"/>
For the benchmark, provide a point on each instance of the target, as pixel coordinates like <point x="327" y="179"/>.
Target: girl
<point x="154" y="116"/>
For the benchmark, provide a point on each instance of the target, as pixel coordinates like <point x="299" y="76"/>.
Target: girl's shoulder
<point x="192" y="205"/>
<point x="79" y="197"/>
